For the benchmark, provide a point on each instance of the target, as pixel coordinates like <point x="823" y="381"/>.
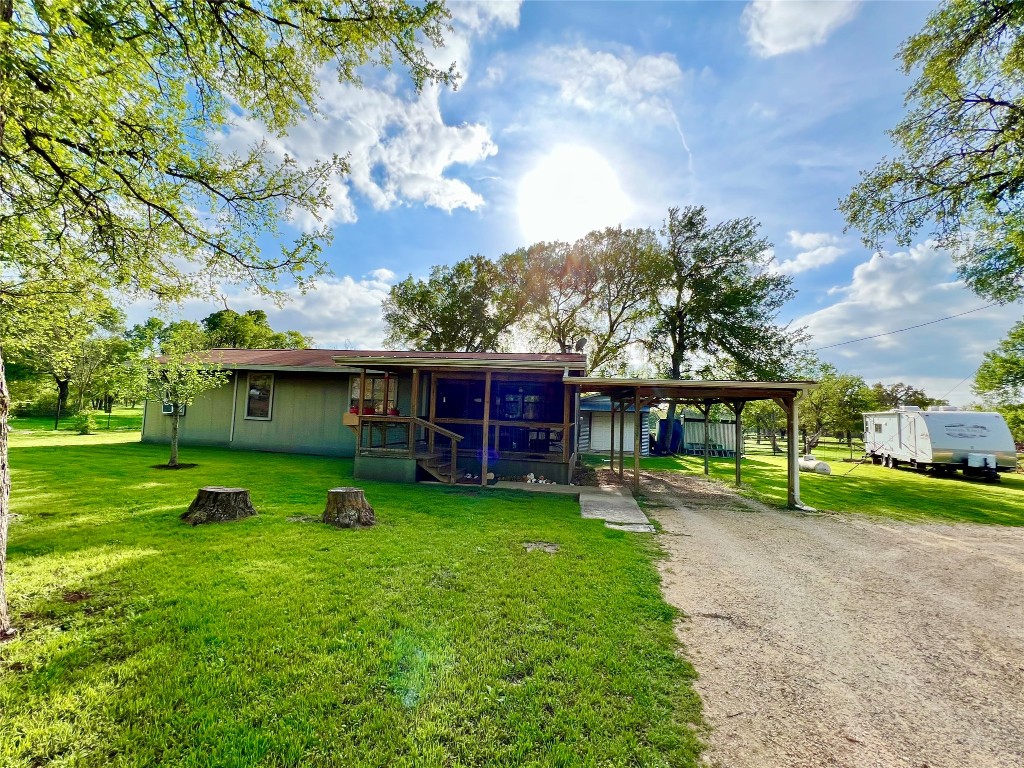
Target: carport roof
<point x="663" y="390"/>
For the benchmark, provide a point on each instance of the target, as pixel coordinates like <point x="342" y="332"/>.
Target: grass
<point x="865" y="488"/>
<point x="121" y="419"/>
<point x="431" y="639"/>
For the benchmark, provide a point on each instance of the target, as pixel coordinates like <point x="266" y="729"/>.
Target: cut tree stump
<point x="348" y="508"/>
<point x="215" y="504"/>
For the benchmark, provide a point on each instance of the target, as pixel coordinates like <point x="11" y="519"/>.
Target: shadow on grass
<point x="432" y="638"/>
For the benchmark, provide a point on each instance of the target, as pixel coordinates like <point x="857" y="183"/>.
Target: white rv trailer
<point x="943" y="437"/>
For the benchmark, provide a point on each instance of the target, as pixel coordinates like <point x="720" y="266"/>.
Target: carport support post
<point x="611" y="448"/>
<point x="737" y="408"/>
<point x="706" y="410"/>
<point x="636" y="441"/>
<point x="622" y="438"/>
<point x="792" y="449"/>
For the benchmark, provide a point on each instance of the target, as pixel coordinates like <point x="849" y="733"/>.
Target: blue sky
<point x="573" y="116"/>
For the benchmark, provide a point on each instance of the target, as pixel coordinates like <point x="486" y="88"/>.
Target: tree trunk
<point x="62" y="398"/>
<point x="5" y="496"/>
<point x="775" y="442"/>
<point x="175" y="416"/>
<point x="214" y="504"/>
<point x="348" y="508"/>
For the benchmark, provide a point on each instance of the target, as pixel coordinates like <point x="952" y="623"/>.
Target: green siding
<point x="306" y="416"/>
<point x="206" y="422"/>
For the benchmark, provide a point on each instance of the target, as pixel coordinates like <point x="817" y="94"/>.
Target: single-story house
<point x="406" y="416"/>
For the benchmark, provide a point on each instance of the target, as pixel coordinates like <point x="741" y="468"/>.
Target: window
<point x="168" y="408"/>
<point x="878" y="426"/>
<point x="373" y="402"/>
<point x="260" y="399"/>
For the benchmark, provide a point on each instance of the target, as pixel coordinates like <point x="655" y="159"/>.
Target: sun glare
<point x="570" y="192"/>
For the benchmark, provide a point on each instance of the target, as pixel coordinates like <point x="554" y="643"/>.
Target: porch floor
<point x="613" y="504"/>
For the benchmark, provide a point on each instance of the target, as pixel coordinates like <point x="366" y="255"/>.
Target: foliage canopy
<point x="960" y="169"/>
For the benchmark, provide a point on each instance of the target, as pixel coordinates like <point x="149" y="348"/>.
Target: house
<point x="448" y="416"/>
<point x="405" y="416"/>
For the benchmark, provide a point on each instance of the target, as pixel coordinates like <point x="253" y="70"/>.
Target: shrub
<point x="85" y="423"/>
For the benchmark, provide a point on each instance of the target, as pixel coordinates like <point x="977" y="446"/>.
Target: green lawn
<point x="865" y="488"/>
<point x="120" y="419"/>
<point x="431" y="639"/>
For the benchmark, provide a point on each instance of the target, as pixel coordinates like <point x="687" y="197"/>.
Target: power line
<point x="965" y="378"/>
<point x="908" y="328"/>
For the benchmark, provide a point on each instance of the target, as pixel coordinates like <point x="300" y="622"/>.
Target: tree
<point x="835" y="405"/>
<point x="959" y="170"/>
<point x="888" y="396"/>
<point x="249" y="330"/>
<point x="467" y="307"/>
<point x="719" y="302"/>
<point x="111" y="169"/>
<point x="1000" y="377"/>
<point x="178" y="377"/>
<point x="600" y="289"/>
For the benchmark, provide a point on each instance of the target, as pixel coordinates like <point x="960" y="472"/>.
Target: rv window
<point x="878" y="427"/>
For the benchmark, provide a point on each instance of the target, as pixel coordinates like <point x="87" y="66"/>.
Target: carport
<point x="637" y="394"/>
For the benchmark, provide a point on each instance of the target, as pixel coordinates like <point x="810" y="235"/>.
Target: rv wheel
<point x="886" y="461"/>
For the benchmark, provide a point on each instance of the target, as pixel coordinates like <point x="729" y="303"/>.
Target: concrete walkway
<point x="613" y="504"/>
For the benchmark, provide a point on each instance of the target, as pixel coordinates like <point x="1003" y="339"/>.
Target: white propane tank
<point x="808" y="463"/>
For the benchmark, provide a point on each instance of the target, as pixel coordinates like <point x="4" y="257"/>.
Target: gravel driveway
<point x="843" y="641"/>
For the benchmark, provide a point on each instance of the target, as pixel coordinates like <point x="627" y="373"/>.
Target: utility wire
<point x="965" y="378"/>
<point x="908" y="328"/>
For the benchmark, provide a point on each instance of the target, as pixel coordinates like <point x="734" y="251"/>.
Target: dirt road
<point x="843" y="641"/>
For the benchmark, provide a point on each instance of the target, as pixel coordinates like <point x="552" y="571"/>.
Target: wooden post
<point x="706" y="410"/>
<point x="622" y="438"/>
<point x="432" y="411"/>
<point x="362" y="400"/>
<point x="384" y="406"/>
<point x="414" y="410"/>
<point x="636" y="441"/>
<point x="487" y="428"/>
<point x="737" y="408"/>
<point x="455" y="460"/>
<point x="788" y="404"/>
<point x="611" y="447"/>
<point x="565" y="426"/>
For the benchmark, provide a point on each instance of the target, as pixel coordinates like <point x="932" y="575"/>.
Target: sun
<point x="571" y="191"/>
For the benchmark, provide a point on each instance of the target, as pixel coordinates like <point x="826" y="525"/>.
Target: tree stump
<point x="215" y="504"/>
<point x="348" y="508"/>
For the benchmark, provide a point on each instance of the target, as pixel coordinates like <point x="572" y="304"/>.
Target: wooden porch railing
<point x="397" y="436"/>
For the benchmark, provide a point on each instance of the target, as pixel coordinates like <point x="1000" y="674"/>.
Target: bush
<point x="85" y="423"/>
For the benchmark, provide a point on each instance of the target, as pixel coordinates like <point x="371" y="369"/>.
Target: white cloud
<point x="340" y="313"/>
<point x="893" y="291"/>
<point x="627" y="86"/>
<point x="472" y="20"/>
<point x="820" y="248"/>
<point x="774" y="27"/>
<point x="399" y="148"/>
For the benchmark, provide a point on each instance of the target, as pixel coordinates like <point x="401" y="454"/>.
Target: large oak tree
<point x="111" y="171"/>
<point x="959" y="169"/>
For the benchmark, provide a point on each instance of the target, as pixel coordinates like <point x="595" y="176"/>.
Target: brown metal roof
<point x="474" y="360"/>
<point x="336" y="359"/>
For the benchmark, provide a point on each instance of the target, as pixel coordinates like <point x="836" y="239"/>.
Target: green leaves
<point x="960" y="171"/>
<point x="111" y="162"/>
<point x="719" y="301"/>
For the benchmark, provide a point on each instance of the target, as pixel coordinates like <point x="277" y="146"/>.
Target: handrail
<point x="439" y="430"/>
<point x="414" y="420"/>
